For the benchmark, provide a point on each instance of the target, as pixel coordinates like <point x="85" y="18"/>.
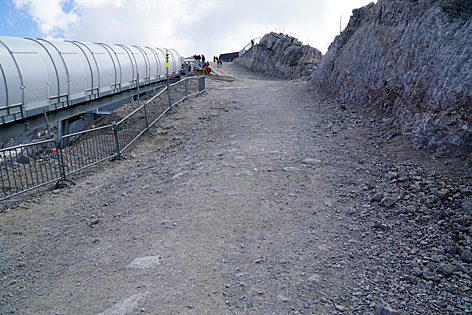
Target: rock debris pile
<point x="415" y="223"/>
<point x="435" y="215"/>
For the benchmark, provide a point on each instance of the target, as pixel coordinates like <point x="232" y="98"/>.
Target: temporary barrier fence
<point x="86" y="148"/>
<point x="26" y="167"/>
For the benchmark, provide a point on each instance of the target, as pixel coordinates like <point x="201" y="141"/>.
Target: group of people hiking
<point x="204" y="66"/>
<point x="218" y="61"/>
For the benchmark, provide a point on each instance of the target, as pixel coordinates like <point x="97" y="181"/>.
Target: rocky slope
<point x="411" y="61"/>
<point x="281" y="56"/>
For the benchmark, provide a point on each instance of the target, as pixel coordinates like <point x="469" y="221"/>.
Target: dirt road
<point x="255" y="198"/>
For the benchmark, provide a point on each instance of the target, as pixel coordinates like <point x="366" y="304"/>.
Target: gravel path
<point x="260" y="197"/>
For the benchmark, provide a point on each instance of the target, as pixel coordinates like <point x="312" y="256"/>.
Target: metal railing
<point x="26" y="167"/>
<point x="252" y="43"/>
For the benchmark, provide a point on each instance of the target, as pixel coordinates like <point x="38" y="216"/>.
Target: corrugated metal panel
<point x="147" y="74"/>
<point x="57" y="74"/>
<point x="133" y="62"/>
<point x="176" y="61"/>
<point x="116" y="66"/>
<point x="140" y="62"/>
<point x="105" y="68"/>
<point x="153" y="63"/>
<point x="79" y="78"/>
<point x="126" y="63"/>
<point x="12" y="77"/>
<point x="93" y="92"/>
<point x="32" y="70"/>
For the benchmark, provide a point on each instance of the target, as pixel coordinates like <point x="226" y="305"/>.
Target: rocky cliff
<point x="412" y="60"/>
<point x="281" y="56"/>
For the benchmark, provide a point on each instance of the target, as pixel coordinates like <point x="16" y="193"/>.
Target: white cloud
<point x="99" y="3"/>
<point x="10" y="20"/>
<point x="206" y="26"/>
<point x="49" y="15"/>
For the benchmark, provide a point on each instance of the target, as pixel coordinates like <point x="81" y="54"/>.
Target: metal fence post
<point x="62" y="182"/>
<point x="117" y="143"/>
<point x="145" y="111"/>
<point x="186" y="86"/>
<point x="168" y="78"/>
<point x="201" y="84"/>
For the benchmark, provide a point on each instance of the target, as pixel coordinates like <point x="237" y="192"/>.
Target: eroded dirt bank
<point x="259" y="197"/>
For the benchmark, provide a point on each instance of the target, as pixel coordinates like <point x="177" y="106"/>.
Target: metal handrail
<point x="253" y="42"/>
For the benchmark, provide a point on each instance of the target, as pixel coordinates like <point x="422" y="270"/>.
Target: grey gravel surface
<point x="259" y="197"/>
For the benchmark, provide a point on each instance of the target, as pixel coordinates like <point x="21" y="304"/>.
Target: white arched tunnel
<point x="44" y="75"/>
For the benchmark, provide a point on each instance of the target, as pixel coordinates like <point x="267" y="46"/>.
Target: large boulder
<point x="281" y="56"/>
<point x="412" y="59"/>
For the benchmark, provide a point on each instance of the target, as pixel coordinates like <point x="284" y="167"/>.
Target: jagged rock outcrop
<point x="281" y="56"/>
<point x="412" y="59"/>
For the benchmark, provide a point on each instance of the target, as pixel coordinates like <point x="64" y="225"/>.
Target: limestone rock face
<point x="281" y="56"/>
<point x="411" y="59"/>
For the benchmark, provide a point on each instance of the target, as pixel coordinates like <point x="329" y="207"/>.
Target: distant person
<point x="203" y="58"/>
<point x="252" y="42"/>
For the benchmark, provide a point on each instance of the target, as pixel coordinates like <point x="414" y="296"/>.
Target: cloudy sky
<point x="191" y="27"/>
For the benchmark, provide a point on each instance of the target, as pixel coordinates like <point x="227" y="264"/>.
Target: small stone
<point x="94" y="221"/>
<point x="311" y="162"/>
<point x="376" y="198"/>
<point x="451" y="250"/>
<point x="446" y="269"/>
<point x="430" y="275"/>
<point x="283" y="298"/>
<point x="378" y="226"/>
<point x="403" y="179"/>
<point x="440" y="193"/>
<point x="417" y="271"/>
<point x="144" y="263"/>
<point x="415" y="188"/>
<point x="314" y="278"/>
<point x="340" y="308"/>
<point x="387" y="202"/>
<point x="466" y="256"/>
<point x="386" y="310"/>
<point x="431" y="266"/>
<point x="392" y="175"/>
